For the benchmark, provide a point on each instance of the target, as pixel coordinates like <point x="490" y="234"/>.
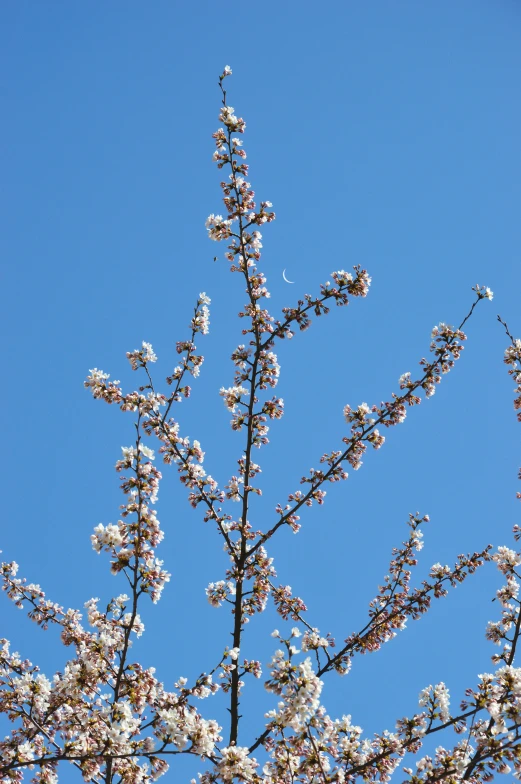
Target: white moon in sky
<point x="285" y="278"/>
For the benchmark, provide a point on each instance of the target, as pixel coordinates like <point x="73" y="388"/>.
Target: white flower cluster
<point x="506" y="559"/>
<point x="233" y="123"/>
<point x="218" y="227"/>
<point x="312" y="640"/>
<point x="184" y="726"/>
<point x="437" y="698"/>
<point x="236" y="764"/>
<point x="299" y="688"/>
<point x="141" y="357"/>
<point x="106" y="537"/>
<point x="233" y="488"/>
<point x="201" y="320"/>
<point x="218" y="592"/>
<point x="483" y="292"/>
<point x="232" y="396"/>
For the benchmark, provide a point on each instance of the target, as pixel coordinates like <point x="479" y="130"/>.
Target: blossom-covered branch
<point x="112" y="718"/>
<point x="447" y="348"/>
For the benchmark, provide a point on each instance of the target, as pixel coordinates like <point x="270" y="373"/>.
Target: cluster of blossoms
<point x="437" y="698"/>
<point x="141" y="357"/>
<point x="133" y="540"/>
<point x="513" y="360"/>
<point x="112" y="718"/>
<point x="299" y="687"/>
<point x="104" y="713"/>
<point x="218" y="592"/>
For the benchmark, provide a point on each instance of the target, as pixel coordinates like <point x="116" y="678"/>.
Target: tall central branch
<point x="237" y="628"/>
<point x="243" y="553"/>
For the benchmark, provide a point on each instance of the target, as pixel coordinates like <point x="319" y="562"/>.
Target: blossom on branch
<point x="112" y="718"/>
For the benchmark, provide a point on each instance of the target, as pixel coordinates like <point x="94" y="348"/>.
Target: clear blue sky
<point x="385" y="134"/>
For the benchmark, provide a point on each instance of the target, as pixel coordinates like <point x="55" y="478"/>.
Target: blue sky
<point x="385" y="134"/>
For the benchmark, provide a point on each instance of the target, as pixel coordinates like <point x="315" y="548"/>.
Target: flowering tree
<point x="113" y="720"/>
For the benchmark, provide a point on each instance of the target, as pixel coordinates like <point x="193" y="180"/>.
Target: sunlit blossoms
<point x="437" y="698"/>
<point x="232" y="396"/>
<point x="299" y="688"/>
<point x="141" y="357"/>
<point x="219" y="592"/>
<point x="236" y="764"/>
<point x="218" y="229"/>
<point x="112" y="718"/>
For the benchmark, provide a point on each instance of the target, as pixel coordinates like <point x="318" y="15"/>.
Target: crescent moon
<point x="285" y="278"/>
